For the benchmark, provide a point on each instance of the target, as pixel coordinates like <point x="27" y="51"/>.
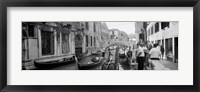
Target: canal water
<point x="73" y="66"/>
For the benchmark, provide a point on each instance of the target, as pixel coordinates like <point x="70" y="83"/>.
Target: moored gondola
<point x="90" y="65"/>
<point x="54" y="61"/>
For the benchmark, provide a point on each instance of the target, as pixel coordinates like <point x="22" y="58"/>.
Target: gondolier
<point x="103" y="52"/>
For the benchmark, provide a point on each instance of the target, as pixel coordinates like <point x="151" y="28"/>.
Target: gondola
<point x="53" y="62"/>
<point x="90" y="65"/>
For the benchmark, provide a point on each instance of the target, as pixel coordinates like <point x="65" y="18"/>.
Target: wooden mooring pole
<point x="117" y="58"/>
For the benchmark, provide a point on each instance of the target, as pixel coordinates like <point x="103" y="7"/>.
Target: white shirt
<point x="141" y="49"/>
<point x="155" y="53"/>
<point x="158" y="47"/>
<point x="121" y="51"/>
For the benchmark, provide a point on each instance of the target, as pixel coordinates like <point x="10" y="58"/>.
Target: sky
<point x="128" y="27"/>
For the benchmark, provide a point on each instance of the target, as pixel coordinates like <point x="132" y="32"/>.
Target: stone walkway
<point x="169" y="64"/>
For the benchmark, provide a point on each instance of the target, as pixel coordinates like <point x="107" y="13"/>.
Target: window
<point x="87" y="25"/>
<point x="141" y="36"/>
<point x="91" y="40"/>
<point x="148" y="32"/>
<point x="24" y="30"/>
<point x="156" y="27"/>
<point x="112" y="36"/>
<point x="168" y="45"/>
<point x="164" y="25"/>
<point x="31" y="32"/>
<point x="86" y="40"/>
<point x="65" y="42"/>
<point x="151" y="30"/>
<point x="94" y="41"/>
<point x="94" y="27"/>
<point x="78" y="41"/>
<point x="47" y="42"/>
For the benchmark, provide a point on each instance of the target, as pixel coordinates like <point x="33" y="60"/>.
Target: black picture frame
<point x="98" y="3"/>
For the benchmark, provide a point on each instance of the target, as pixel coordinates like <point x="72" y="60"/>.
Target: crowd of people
<point x="142" y="53"/>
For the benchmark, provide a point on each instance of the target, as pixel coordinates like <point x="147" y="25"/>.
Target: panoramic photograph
<point x="100" y="45"/>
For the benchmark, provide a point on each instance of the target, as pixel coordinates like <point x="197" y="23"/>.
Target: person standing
<point x="76" y="60"/>
<point x="155" y="53"/>
<point x="141" y="56"/>
<point x="129" y="54"/>
<point x="162" y="51"/>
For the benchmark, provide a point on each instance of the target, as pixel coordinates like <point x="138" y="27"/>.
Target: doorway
<point x="176" y="49"/>
<point x="78" y="44"/>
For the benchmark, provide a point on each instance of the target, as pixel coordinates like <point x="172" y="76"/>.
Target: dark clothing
<point x="122" y="56"/>
<point x="149" y="47"/>
<point x="103" y="54"/>
<point x="155" y="59"/>
<point x="111" y="66"/>
<point x="129" y="54"/>
<point x="140" y="61"/>
<point x="162" y="49"/>
<point x="104" y="66"/>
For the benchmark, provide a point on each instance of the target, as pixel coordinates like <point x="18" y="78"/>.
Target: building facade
<point x="132" y="40"/>
<point x="166" y="34"/>
<point x="92" y="37"/>
<point x="114" y="35"/>
<point x="57" y="40"/>
<point x="117" y="36"/>
<point x="105" y="36"/>
<point x="123" y="36"/>
<point x="140" y="30"/>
